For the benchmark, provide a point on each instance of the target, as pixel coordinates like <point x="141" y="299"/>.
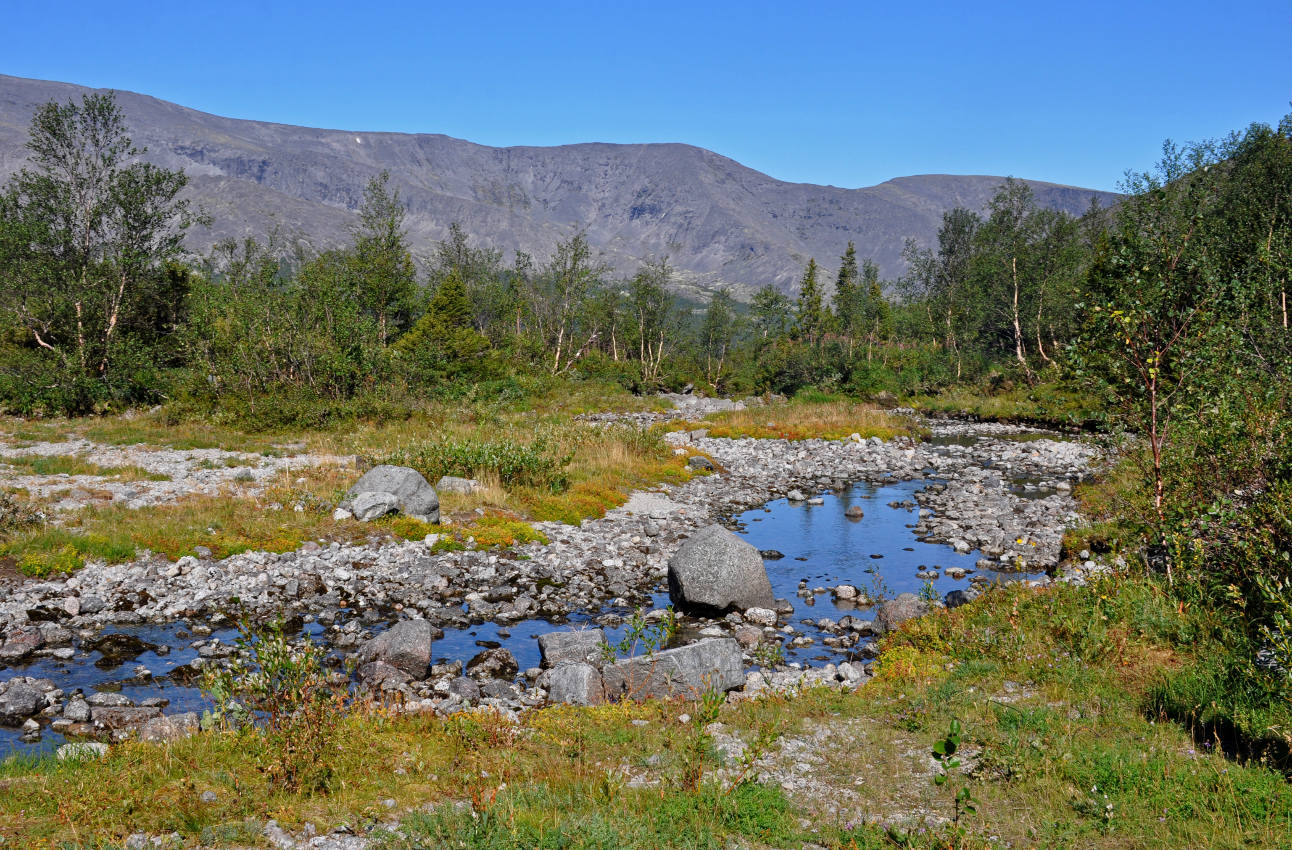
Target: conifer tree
<point x="811" y="314"/>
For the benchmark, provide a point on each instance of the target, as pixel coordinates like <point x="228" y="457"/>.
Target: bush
<point x="280" y="694"/>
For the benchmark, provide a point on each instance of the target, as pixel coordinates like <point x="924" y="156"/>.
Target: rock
<point x="93" y="604"/>
<point x="889" y="615"/>
<point x="699" y="462"/>
<point x="117" y="648"/>
<point x="575" y="683"/>
<point x="369" y="506"/>
<point x="77" y="711"/>
<point x="118" y="718"/>
<point x="21" y="644"/>
<point x="171" y="727"/>
<point x="715" y="572"/>
<point x="687" y="671"/>
<point x="816" y="501"/>
<point x="465" y="688"/>
<point x="854" y="512"/>
<point x="795" y="496"/>
<point x="845" y="591"/>
<point x="277" y="836"/>
<point x="748" y="636"/>
<point x="453" y="484"/>
<point x="760" y="616"/>
<point x="493" y="664"/>
<point x="956" y="598"/>
<point x="82" y="751"/>
<point x="771" y="554"/>
<point x="379" y="674"/>
<point x="20" y="701"/>
<point x="342" y="514"/>
<point x="576" y="645"/>
<point x="405" y="646"/>
<point x="415" y="496"/>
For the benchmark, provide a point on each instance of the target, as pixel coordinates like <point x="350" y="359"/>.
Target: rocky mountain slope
<point x="719" y="222"/>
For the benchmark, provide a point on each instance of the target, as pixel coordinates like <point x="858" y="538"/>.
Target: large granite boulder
<point x="688" y="671"/>
<point x="715" y="572"/>
<point x="414" y="495"/>
<point x="406" y="646"/>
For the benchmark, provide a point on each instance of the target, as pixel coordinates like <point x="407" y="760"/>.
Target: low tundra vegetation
<point x="1067" y="706"/>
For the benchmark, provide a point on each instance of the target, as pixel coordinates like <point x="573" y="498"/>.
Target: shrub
<point x="280" y="693"/>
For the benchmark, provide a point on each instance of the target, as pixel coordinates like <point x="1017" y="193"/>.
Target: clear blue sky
<point x="848" y="94"/>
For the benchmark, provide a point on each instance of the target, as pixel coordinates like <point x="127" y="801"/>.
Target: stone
<point x="117" y="718"/>
<point x="82" y="751"/>
<point x="170" y="727"/>
<point x="575" y="645"/>
<point x="493" y="664"/>
<point x="20" y="701"/>
<point x="891" y="614"/>
<point x="699" y="462"/>
<point x="465" y="688"/>
<point x="845" y="591"/>
<point x="414" y="494"/>
<point x="715" y="571"/>
<point x="854" y="512"/>
<point x="21" y="644"/>
<point x="575" y="683"/>
<point x="369" y="506"/>
<point x="956" y="598"/>
<point x="453" y="484"/>
<point x="688" y="671"/>
<point x="93" y="604"/>
<point x="405" y="646"/>
<point x="760" y="616"/>
<point x="379" y="674"/>
<point x="342" y="514"/>
<point x="748" y="636"/>
<point x="77" y="711"/>
<point x="795" y="496"/>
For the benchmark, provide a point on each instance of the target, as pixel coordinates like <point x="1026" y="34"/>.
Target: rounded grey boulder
<point x="715" y="572"/>
<point x="416" y="497"/>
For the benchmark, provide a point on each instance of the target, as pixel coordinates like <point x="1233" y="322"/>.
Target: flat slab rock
<point x="688" y="671"/>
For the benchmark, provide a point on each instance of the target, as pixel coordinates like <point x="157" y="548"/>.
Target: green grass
<point x="1052" y="404"/>
<point x="74" y="465"/>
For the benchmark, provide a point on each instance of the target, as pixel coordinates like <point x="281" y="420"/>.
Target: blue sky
<point x="848" y="94"/>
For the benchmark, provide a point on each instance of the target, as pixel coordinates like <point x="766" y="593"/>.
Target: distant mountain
<point x="719" y="222"/>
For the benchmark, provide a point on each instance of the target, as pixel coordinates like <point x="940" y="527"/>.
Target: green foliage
<point x="540" y="464"/>
<point x="283" y="697"/>
<point x="444" y="346"/>
<point x="89" y="289"/>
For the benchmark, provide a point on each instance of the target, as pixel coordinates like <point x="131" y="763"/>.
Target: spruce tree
<point x="812" y="315"/>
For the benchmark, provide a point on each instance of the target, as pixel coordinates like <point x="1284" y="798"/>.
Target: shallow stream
<point x="822" y="548"/>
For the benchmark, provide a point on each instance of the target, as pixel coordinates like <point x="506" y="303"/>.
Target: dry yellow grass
<point x="833" y="420"/>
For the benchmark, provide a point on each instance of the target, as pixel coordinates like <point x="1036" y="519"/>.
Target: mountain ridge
<point x="720" y="222"/>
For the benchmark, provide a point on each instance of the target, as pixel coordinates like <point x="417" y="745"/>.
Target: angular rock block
<point x="688" y="671"/>
<point x="575" y="645"/>
<point x="405" y="646"/>
<point x="574" y="683"/>
<point x="715" y="572"/>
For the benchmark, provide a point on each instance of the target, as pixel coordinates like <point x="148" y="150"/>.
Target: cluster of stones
<point x="618" y="560"/>
<point x="188" y="472"/>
